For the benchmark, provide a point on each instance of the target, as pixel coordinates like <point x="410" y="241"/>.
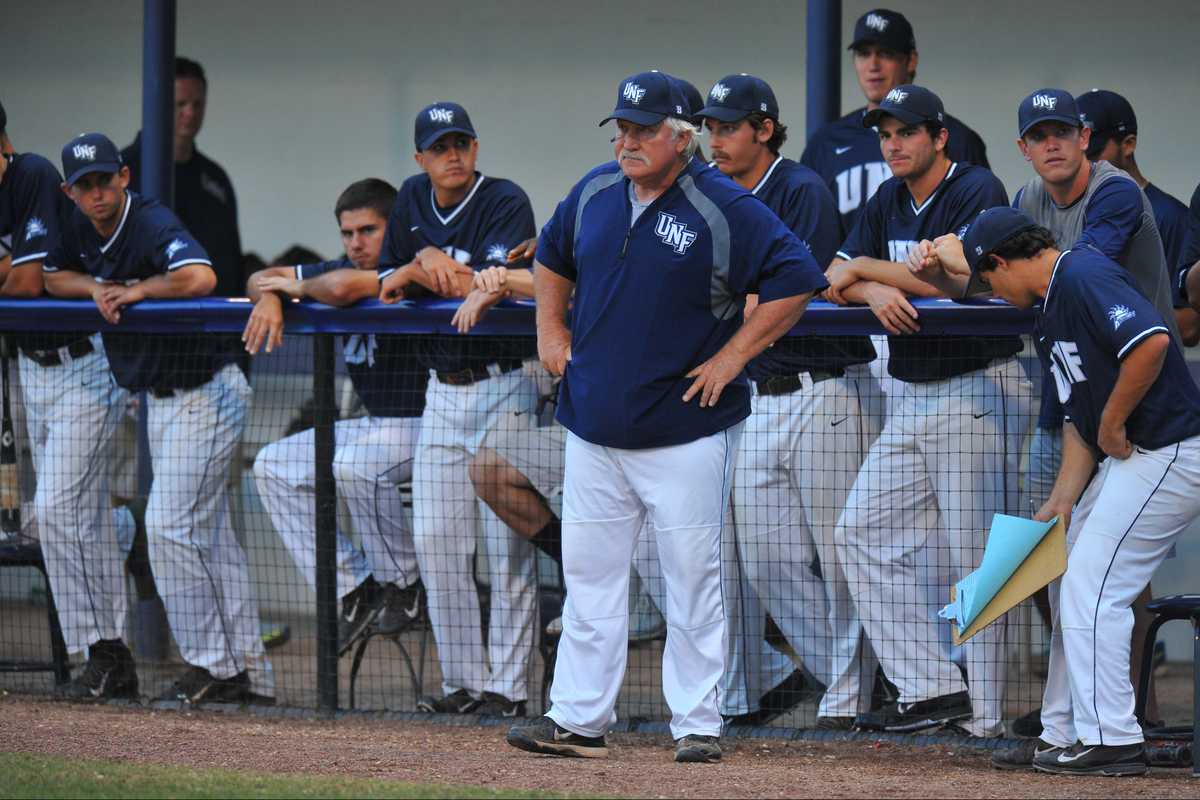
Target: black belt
<point x="53" y="358"/>
<point x="786" y="384"/>
<point x="160" y="392"/>
<point x="470" y="375"/>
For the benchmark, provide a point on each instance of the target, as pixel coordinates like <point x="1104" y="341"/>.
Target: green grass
<point x="25" y="775"/>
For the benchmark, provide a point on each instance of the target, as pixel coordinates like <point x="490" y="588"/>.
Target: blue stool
<point x="1165" y="609"/>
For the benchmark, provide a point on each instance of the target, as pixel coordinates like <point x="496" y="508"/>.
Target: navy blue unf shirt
<point x="656" y="299"/>
<point x="149" y="240"/>
<point x="1093" y="315"/>
<point x="493" y="218"/>
<point x="33" y="210"/>
<point x="1191" y="247"/>
<point x="383" y="369"/>
<point x="1170" y="216"/>
<point x="847" y="156"/>
<point x="801" y="200"/>
<point x="891" y="225"/>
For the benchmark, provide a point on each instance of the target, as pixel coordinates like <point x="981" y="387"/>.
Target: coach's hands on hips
<point x="891" y="307"/>
<point x="713" y="376"/>
<point x="554" y="350"/>
<point x="265" y="324"/>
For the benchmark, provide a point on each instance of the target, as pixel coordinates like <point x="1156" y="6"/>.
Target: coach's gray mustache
<point x="625" y="154"/>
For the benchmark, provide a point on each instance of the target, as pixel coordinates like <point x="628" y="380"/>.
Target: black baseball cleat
<point x="497" y="705"/>
<point x="799" y="687"/>
<point x="1029" y="725"/>
<point x="400" y="609"/>
<point x="198" y="685"/>
<point x="544" y="735"/>
<point x="907" y="717"/>
<point x="1094" y="759"/>
<point x="835" y="723"/>
<point x="1022" y="754"/>
<point x="360" y="608"/>
<point x="108" y="674"/>
<point x="696" y="749"/>
<point x="459" y="702"/>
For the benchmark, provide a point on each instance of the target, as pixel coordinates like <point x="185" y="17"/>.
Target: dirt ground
<point x="640" y="766"/>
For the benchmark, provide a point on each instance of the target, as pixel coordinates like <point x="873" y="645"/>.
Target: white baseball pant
<point x="946" y="461"/>
<point x="800" y="455"/>
<point x="72" y="411"/>
<point x="199" y="565"/>
<point x="374" y="455"/>
<point x="1121" y="530"/>
<point x="683" y="491"/>
<point x="446" y="517"/>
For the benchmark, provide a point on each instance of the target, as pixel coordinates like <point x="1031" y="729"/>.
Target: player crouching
<point x="1133" y="410"/>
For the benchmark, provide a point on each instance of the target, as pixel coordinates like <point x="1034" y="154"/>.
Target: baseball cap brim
<point x="857" y="43"/>
<point x="975" y="284"/>
<point x="440" y="132"/>
<point x="636" y="116"/>
<point x="872" y="117"/>
<point x="723" y="113"/>
<point x="1072" y="121"/>
<point x="110" y="167"/>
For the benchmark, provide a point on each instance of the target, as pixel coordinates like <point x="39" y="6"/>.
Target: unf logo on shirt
<point x="174" y="247"/>
<point x="896" y="96"/>
<point x="676" y="235"/>
<point x="85" y="152"/>
<point x="1119" y="315"/>
<point x="1045" y="101"/>
<point x="719" y="92"/>
<point x="1067" y="368"/>
<point x="443" y="115"/>
<point x="497" y="252"/>
<point x="633" y="93"/>
<point x="877" y="22"/>
<point x="34" y="229"/>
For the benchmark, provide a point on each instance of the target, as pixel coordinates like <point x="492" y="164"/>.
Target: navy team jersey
<point x="891" y="225"/>
<point x="32" y="212"/>
<point x="1170" y="216"/>
<point x="800" y="198"/>
<point x="1093" y="315"/>
<point x="383" y="368"/>
<point x="1191" y="248"/>
<point x="148" y="241"/>
<point x="658" y="298"/>
<point x="847" y="156"/>
<point x="493" y="218"/>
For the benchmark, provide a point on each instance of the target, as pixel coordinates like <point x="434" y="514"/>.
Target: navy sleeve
<point x="1112" y="217"/>
<point x="982" y="192"/>
<point x="555" y="247"/>
<point x="37" y="202"/>
<point x="62" y="252"/>
<point x="510" y="224"/>
<point x="767" y="258"/>
<point x="1016" y="203"/>
<point x="811" y="157"/>
<point x="1113" y="305"/>
<point x="172" y="247"/>
<point x="1191" y="245"/>
<point x="810" y="213"/>
<point x="398" y="248"/>
<point x="306" y="271"/>
<point x="865" y="238"/>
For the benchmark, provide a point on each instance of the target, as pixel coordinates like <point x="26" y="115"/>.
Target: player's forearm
<point x="255" y="293"/>
<point x="857" y="292"/>
<point x="768" y="322"/>
<point x="24" y="280"/>
<point x="342" y="287"/>
<point x="552" y="293"/>
<point x="70" y="285"/>
<point x="946" y="285"/>
<point x="520" y="283"/>
<point x="1139" y="370"/>
<point x="1074" y="471"/>
<point x="190" y="280"/>
<point x="892" y="273"/>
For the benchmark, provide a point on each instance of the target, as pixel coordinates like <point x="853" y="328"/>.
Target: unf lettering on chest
<point x="858" y="184"/>
<point x="1067" y="368"/>
<point x="676" y="235"/>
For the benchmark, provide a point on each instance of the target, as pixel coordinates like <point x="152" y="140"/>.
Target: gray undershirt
<point x="638" y="207"/>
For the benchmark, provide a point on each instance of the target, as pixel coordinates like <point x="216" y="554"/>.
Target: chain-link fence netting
<point x="170" y="489"/>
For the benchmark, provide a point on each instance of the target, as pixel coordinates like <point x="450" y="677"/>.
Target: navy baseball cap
<point x="1109" y="116"/>
<point x="910" y="104"/>
<point x="648" y="98"/>
<point x="695" y="100"/>
<point x="991" y="229"/>
<point x="735" y="97"/>
<point x="436" y="120"/>
<point x="1047" y="104"/>
<point x="89" y="152"/>
<point x="885" y="28"/>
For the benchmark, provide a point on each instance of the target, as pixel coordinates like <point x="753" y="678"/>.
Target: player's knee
<point x="485" y="470"/>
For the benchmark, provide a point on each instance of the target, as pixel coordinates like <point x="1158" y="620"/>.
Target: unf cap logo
<point x="719" y="92"/>
<point x="877" y="22"/>
<point x="1045" y="101"/>
<point x="896" y="96"/>
<point x="633" y="93"/>
<point x="85" y="152"/>
<point x="443" y="115"/>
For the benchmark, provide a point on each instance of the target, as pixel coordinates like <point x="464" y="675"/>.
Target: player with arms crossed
<point x="379" y="585"/>
<point x="119" y="249"/>
<point x="72" y="407"/>
<point x="1130" y="477"/>
<point x="660" y="251"/>
<point x="450" y="221"/>
<point x="803" y="445"/>
<point x="948" y="456"/>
